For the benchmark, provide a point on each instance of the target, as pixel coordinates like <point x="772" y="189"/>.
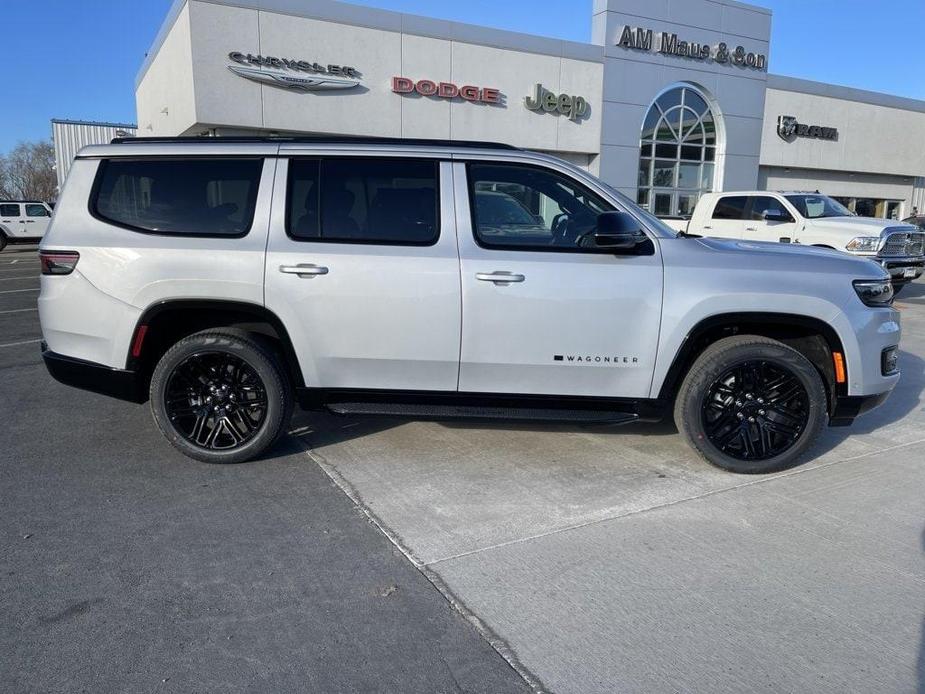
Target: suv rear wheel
<point x="751" y="405"/>
<point x="220" y="396"/>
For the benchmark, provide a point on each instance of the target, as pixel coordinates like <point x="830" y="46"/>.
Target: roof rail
<point x="318" y="139"/>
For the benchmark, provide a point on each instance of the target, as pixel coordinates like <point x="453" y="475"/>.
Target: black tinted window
<point x="762" y="205"/>
<point x="730" y="208"/>
<point x="380" y="201"/>
<point x="527" y="207"/>
<point x="209" y="197"/>
<point x="9" y="210"/>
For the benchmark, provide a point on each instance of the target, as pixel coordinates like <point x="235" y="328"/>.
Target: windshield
<point x="816" y="206"/>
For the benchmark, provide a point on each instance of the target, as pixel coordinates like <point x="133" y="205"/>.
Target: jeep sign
<point x="575" y="107"/>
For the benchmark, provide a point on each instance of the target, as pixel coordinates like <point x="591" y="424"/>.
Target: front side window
<point x="36" y="211"/>
<point x="9" y="210"/>
<point x="525" y="207"/>
<point x="194" y="197"/>
<point x="764" y="206"/>
<point x="677" y="153"/>
<point x="818" y="206"/>
<point x="730" y="207"/>
<point x="352" y="200"/>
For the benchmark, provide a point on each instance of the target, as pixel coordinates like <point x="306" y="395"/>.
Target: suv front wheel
<point x="751" y="405"/>
<point x="220" y="396"/>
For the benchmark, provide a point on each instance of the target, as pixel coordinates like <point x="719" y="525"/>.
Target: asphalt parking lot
<point x="370" y="554"/>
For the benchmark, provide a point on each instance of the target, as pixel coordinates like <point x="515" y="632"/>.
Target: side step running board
<point x="473" y="412"/>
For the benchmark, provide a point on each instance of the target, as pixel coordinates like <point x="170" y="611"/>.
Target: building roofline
<point x="399" y="22"/>
<point x="835" y="91"/>
<point x="104" y="124"/>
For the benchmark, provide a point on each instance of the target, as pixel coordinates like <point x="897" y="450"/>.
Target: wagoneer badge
<point x="298" y="75"/>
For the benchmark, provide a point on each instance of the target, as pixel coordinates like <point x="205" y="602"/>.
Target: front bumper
<point x="87" y="375"/>
<point x="903" y="270"/>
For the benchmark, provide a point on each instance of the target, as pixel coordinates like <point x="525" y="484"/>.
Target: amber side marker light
<point x="839" y="361"/>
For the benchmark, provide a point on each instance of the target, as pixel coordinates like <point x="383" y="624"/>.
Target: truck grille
<point x="903" y="244"/>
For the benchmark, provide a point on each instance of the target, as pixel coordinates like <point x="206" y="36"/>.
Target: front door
<point x="363" y="270"/>
<point x="544" y="313"/>
<point x="36" y="219"/>
<point x="769" y="220"/>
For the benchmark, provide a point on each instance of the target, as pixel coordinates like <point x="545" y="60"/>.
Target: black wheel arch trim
<point x="259" y="312"/>
<point x="688" y="350"/>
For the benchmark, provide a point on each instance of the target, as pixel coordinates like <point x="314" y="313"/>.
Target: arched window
<point x="677" y="153"/>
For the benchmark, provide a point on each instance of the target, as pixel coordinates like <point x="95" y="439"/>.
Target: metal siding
<point x="70" y="136"/>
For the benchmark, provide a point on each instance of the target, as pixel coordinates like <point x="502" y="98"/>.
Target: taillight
<point x="58" y="262"/>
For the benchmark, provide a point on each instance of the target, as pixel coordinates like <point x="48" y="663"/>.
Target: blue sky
<point x="78" y="58"/>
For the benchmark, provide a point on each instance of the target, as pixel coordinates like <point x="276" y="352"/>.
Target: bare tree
<point x="27" y="173"/>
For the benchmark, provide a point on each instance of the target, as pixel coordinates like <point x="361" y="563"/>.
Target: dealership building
<point x="672" y="98"/>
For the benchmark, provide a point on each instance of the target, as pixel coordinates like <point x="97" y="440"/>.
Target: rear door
<point x="363" y="269"/>
<point x="35" y="219"/>
<point x="727" y="219"/>
<point x="12" y="220"/>
<point x="543" y="313"/>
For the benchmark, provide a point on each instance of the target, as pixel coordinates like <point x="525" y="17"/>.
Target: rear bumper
<point x="847" y="407"/>
<point x="87" y="375"/>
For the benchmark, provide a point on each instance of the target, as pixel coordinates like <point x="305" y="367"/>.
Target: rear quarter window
<point x="730" y="207"/>
<point x="192" y="197"/>
<point x="9" y="210"/>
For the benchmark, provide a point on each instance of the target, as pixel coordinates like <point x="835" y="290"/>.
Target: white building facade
<point x="671" y="99"/>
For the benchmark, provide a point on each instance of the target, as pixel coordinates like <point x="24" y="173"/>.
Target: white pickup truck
<point x="812" y="219"/>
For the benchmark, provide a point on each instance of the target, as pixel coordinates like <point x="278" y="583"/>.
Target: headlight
<point x="864" y="244"/>
<point x="874" y="292"/>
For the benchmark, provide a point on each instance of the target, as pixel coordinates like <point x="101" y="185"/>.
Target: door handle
<point x="751" y="229"/>
<point x="303" y="270"/>
<point x="708" y="227"/>
<point x="499" y="277"/>
<point x="29" y="221"/>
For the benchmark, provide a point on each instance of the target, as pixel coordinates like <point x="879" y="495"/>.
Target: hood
<point x="857" y="226"/>
<point x="787" y="257"/>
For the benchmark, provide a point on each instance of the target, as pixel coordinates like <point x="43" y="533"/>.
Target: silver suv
<point x="226" y="279"/>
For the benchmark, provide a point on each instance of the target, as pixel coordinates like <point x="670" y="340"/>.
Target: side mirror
<point x="770" y="216"/>
<point x="618" y="231"/>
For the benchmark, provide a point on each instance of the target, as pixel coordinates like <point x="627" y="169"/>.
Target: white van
<point x="23" y="221"/>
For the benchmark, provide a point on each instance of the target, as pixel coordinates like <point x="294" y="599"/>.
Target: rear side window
<point x="195" y="197"/>
<point x="730" y="208"/>
<point x="9" y="210"/>
<point x="376" y="201"/>
<point x="36" y="211"/>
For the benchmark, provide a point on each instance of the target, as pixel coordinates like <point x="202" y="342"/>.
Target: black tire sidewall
<point x="264" y="363"/>
<point x="712" y="364"/>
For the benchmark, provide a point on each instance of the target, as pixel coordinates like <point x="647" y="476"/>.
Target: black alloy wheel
<point x="216" y="400"/>
<point x="221" y="396"/>
<point x="755" y="410"/>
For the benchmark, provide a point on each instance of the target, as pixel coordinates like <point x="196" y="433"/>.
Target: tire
<point x="206" y="394"/>
<point x="2" y="241"/>
<point x="751" y="405"/>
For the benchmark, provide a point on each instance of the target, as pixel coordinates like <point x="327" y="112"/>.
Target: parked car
<point x="23" y="221"/>
<point x="224" y="280"/>
<point x="812" y="219"/>
<point x="918" y="221"/>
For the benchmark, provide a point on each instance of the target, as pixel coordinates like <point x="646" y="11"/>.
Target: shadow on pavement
<point x="921" y="663"/>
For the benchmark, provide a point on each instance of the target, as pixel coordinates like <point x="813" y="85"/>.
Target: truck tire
<point x="751" y="405"/>
<point x="2" y="241"/>
<point x="221" y="396"/>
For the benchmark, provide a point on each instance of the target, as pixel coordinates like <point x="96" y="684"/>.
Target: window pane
<point x="209" y="197"/>
<point x="730" y="208"/>
<point x="9" y="210"/>
<point x="709" y="153"/>
<point x="693" y="101"/>
<point x="706" y="178"/>
<point x="695" y="135"/>
<point x="665" y="132"/>
<point x="690" y="122"/>
<point x="689" y="175"/>
<point x="662" y="205"/>
<point x="663" y="174"/>
<point x="648" y="129"/>
<point x="304" y="201"/>
<point x="686" y="204"/>
<point x="526" y="207"/>
<point x="646" y="149"/>
<point x="36" y="211"/>
<point x="762" y="205"/>
<point x="689" y="153"/>
<point x="710" y="128"/>
<point x="384" y="201"/>
<point x="666" y="151"/>
<point x="642" y="198"/>
<point x="645" y="170"/>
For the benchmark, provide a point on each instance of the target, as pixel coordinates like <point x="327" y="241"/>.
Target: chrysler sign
<point x="298" y="75"/>
<point x="640" y="39"/>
